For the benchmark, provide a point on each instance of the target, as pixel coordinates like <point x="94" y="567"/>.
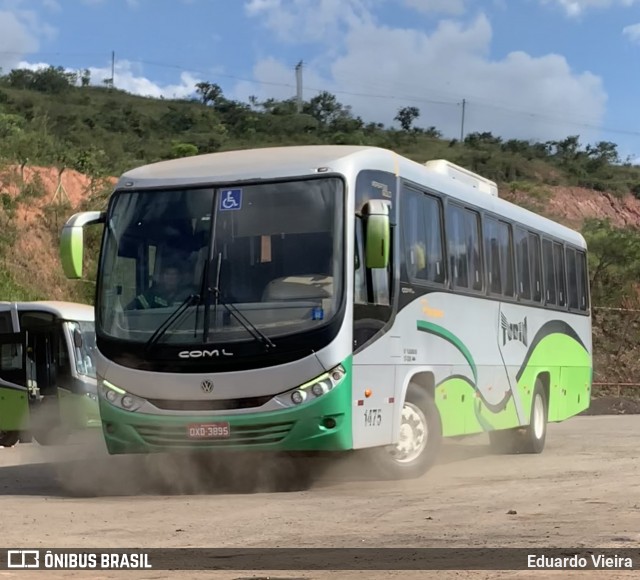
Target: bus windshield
<point x="273" y="251"/>
<point x="85" y="350"/>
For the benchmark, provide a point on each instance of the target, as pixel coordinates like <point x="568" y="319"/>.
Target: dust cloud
<point x="80" y="466"/>
<point x="85" y="469"/>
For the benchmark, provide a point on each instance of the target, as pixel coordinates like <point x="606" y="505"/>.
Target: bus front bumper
<point x="320" y="425"/>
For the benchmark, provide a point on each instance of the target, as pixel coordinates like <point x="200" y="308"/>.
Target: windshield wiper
<point x="242" y="319"/>
<point x="171" y="319"/>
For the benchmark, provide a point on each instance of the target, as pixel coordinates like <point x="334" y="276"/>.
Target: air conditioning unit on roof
<point x="444" y="167"/>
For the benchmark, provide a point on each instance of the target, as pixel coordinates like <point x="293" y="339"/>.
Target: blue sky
<point x="531" y="69"/>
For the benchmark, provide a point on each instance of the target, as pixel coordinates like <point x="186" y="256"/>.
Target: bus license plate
<point x="208" y="431"/>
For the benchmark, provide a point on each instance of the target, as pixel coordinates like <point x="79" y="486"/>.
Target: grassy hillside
<point x="60" y="140"/>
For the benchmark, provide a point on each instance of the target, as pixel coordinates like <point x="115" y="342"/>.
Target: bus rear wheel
<point x="530" y="439"/>
<point x="9" y="438"/>
<point x="419" y="443"/>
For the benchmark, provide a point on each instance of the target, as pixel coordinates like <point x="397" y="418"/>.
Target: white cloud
<point x="384" y="68"/>
<point x="300" y="20"/>
<point x="577" y="7"/>
<point x="632" y="32"/>
<point x="16" y="39"/>
<point x="129" y="78"/>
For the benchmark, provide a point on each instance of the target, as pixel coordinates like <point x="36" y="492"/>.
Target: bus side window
<point x="5" y="322"/>
<point x="572" y="276"/>
<point x="492" y="255"/>
<point x="422" y="227"/>
<point x="474" y="248"/>
<point x="505" y="239"/>
<point x="498" y="257"/>
<point x="536" y="269"/>
<point x="522" y="261"/>
<point x="583" y="281"/>
<point x="549" y="273"/>
<point x="11" y="363"/>
<point x="560" y="272"/>
<point x="457" y="246"/>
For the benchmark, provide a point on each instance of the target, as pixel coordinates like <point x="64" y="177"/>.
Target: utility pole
<point x="299" y="86"/>
<point x="113" y="68"/>
<point x="464" y="103"/>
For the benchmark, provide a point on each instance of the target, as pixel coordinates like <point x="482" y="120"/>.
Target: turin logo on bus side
<point x="513" y="331"/>
<point x="204" y="353"/>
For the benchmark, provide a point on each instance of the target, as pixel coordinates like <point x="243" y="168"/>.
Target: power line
<point x="36" y="54"/>
<point x="454" y="102"/>
<point x="464" y="102"/>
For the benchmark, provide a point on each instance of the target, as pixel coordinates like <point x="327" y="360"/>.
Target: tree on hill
<point x="209" y="93"/>
<point x="406" y="116"/>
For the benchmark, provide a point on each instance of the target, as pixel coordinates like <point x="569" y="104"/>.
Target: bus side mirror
<point x="377" y="234"/>
<point x="72" y="241"/>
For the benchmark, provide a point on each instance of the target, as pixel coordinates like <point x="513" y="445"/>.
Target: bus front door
<point x="47" y="424"/>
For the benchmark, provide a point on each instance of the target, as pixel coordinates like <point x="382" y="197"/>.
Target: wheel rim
<point x="538" y="417"/>
<point x="413" y="435"/>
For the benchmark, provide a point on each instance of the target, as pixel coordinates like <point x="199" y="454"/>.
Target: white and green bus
<point x="48" y="384"/>
<point x="332" y="298"/>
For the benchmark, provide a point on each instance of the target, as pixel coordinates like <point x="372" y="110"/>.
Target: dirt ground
<point x="583" y="491"/>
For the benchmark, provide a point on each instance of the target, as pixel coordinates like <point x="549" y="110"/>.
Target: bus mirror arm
<point x="72" y="241"/>
<point x="377" y="233"/>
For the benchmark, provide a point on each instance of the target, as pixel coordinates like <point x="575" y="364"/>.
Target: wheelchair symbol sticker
<point x="230" y="199"/>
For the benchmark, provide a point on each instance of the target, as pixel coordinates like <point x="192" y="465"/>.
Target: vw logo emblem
<point x="207" y="386"/>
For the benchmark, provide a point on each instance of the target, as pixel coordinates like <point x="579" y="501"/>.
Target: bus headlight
<point x="313" y="389"/>
<point x="298" y="397"/>
<point x="119" y="397"/>
<point x="127" y="401"/>
<point x="321" y="388"/>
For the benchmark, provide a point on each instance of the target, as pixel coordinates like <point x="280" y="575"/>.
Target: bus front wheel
<point x="419" y="442"/>
<point x="9" y="438"/>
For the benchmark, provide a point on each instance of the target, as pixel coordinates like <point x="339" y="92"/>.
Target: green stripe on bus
<point x="451" y="338"/>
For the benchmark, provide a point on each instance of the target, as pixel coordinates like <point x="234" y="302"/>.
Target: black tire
<point x="386" y="461"/>
<point x="535" y="434"/>
<point x="530" y="439"/>
<point x="9" y="438"/>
